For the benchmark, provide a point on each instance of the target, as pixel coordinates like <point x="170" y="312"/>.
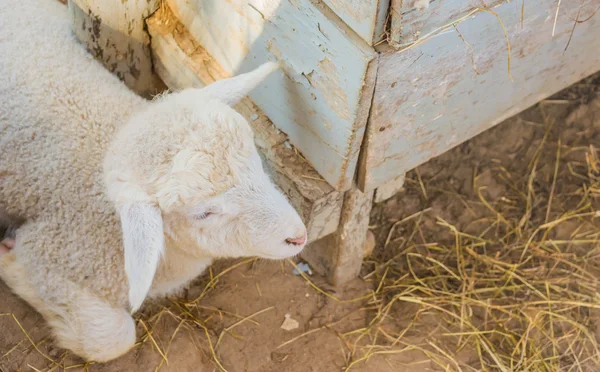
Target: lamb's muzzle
<point x="297" y="241"/>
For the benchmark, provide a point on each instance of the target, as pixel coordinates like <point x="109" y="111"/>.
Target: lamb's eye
<point x="202" y="216"/>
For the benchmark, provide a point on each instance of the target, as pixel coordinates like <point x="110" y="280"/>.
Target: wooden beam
<point x="339" y="256"/>
<point x="181" y="62"/>
<point x="448" y="88"/>
<point x="113" y="31"/>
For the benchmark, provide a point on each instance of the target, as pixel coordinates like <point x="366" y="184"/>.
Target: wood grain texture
<point x="440" y="93"/>
<point x="339" y="256"/>
<point x="182" y="63"/>
<point x="365" y="17"/>
<point x="412" y="21"/>
<point x="328" y="72"/>
<point x="114" y="33"/>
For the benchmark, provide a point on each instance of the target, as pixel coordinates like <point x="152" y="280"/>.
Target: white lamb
<point x="123" y="198"/>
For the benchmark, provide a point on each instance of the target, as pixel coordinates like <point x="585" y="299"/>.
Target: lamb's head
<point x="186" y="167"/>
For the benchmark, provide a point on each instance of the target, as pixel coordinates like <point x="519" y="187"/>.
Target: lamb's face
<point x="198" y="163"/>
<point x="251" y="218"/>
<point x="216" y="184"/>
<point x="186" y="170"/>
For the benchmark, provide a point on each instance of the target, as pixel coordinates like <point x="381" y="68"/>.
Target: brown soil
<point x="449" y="187"/>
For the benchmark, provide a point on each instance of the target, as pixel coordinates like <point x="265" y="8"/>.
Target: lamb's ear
<point x="233" y="89"/>
<point x="144" y="243"/>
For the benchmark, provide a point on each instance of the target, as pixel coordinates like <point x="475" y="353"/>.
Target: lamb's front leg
<point x="176" y="270"/>
<point x="80" y="321"/>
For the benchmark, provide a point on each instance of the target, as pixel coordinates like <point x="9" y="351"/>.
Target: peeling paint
<point x="117" y="48"/>
<point x="366" y="17"/>
<point x="316" y="98"/>
<point x="327" y="83"/>
<point x="421" y="4"/>
<point x="445" y="103"/>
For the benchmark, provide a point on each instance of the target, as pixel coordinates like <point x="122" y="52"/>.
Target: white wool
<point x="122" y="197"/>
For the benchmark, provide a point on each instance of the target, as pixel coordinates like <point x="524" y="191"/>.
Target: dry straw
<point x="508" y="290"/>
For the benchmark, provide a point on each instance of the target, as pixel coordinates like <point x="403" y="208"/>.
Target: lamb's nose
<point x="297" y="241"/>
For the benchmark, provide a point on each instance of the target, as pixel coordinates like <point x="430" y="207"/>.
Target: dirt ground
<point x="451" y="284"/>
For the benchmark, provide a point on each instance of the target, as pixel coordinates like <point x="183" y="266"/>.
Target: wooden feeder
<point x="368" y="89"/>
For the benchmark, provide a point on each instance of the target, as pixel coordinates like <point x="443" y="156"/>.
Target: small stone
<point x="303" y="268"/>
<point x="289" y="324"/>
<point x="254" y="117"/>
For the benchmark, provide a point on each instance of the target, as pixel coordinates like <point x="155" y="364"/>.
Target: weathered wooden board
<point x="366" y="17"/>
<point x="415" y="19"/>
<point x="113" y="31"/>
<point x="182" y="63"/>
<point x="443" y="91"/>
<point x="322" y="99"/>
<point x="339" y="256"/>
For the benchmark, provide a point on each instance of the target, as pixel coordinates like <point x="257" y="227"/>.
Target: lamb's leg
<point x="15" y="277"/>
<point x="80" y="321"/>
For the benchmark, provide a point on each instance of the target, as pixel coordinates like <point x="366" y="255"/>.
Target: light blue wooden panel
<point x="366" y="17"/>
<point x="440" y="93"/>
<point x="417" y="22"/>
<point x="322" y="97"/>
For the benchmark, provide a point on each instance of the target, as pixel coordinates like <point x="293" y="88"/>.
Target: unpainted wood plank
<point x="182" y="63"/>
<point x="327" y="75"/>
<point x="339" y="256"/>
<point x="113" y="31"/>
<point x="415" y="19"/>
<point x="442" y="92"/>
<point x="365" y="17"/>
